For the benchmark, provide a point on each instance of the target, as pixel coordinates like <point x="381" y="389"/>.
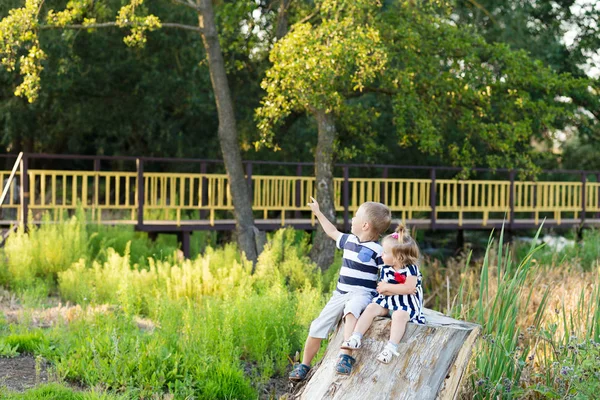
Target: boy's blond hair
<point x="405" y="249"/>
<point x="378" y="216"/>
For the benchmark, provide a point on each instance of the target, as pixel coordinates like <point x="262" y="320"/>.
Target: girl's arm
<point x="389" y="289"/>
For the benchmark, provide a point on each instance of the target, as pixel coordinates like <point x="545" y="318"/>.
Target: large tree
<point x="469" y="102"/>
<point x="314" y="67"/>
<point x="442" y="88"/>
<point x="565" y="36"/>
<point x="21" y="52"/>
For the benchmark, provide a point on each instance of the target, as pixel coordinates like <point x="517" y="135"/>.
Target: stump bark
<point x="432" y="361"/>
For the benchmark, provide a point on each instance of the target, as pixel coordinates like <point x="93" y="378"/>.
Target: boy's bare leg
<point x="399" y="320"/>
<point x="366" y="318"/>
<point x="349" y="324"/>
<point x="311" y="348"/>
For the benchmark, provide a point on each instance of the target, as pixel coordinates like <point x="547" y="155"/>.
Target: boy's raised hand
<point x="314" y="206"/>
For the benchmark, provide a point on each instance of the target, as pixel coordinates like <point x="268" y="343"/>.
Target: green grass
<point x="213" y="329"/>
<point x="218" y="330"/>
<point x="55" y="391"/>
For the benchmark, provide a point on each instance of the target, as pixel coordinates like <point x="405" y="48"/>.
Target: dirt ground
<point x="20" y="373"/>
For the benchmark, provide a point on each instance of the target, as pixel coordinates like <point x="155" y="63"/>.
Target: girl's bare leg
<point x="399" y="320"/>
<point x="366" y="318"/>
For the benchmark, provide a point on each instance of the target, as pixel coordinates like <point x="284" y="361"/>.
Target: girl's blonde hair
<point x="404" y="248"/>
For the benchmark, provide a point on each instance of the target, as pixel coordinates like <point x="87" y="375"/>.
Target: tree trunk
<point x="282" y="19"/>
<point x="431" y="364"/>
<point x="228" y="136"/>
<point x="323" y="248"/>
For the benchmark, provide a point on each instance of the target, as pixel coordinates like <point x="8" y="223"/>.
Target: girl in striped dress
<point x="400" y="293"/>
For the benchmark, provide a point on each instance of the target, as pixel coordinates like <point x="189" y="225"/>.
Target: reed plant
<point x="529" y="312"/>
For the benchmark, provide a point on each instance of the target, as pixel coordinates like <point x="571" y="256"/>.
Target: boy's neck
<point x="367" y="236"/>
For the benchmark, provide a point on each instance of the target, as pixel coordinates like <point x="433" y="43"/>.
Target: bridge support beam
<point x="460" y="239"/>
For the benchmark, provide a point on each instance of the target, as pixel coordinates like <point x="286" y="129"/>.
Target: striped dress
<point x="411" y="303"/>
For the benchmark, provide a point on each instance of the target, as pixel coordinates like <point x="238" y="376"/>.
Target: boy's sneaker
<point x="299" y="372"/>
<point x="351" y="344"/>
<point x="344" y="364"/>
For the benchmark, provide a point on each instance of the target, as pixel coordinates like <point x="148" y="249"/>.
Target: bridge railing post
<point x="249" y="182"/>
<point x="583" y="197"/>
<point x="598" y="194"/>
<point x="140" y="192"/>
<point x="383" y="186"/>
<point x="96" y="194"/>
<point x="346" y="199"/>
<point x="203" y="191"/>
<point x="511" y="199"/>
<point x="24" y="194"/>
<point x="298" y="200"/>
<point x="534" y="205"/>
<point x="432" y="198"/>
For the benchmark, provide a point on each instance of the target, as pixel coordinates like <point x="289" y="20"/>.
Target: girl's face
<point x="387" y="255"/>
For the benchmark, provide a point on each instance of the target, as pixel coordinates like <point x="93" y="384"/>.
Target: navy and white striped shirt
<point x="360" y="264"/>
<point x="411" y="303"/>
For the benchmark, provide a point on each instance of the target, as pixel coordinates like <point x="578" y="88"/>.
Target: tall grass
<point x="518" y="356"/>
<point x="213" y="328"/>
<point x="32" y="260"/>
<point x="209" y="328"/>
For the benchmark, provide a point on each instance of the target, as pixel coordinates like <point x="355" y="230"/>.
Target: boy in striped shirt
<point x="357" y="284"/>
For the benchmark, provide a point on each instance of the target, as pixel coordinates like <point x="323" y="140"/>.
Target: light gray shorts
<point x="337" y="307"/>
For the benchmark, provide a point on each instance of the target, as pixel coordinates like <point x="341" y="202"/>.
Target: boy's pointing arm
<point x="327" y="226"/>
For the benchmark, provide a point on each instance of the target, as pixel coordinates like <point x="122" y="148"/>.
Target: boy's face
<point x="359" y="222"/>
<point x="387" y="257"/>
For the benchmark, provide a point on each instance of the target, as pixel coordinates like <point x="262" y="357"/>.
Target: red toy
<point x="400" y="278"/>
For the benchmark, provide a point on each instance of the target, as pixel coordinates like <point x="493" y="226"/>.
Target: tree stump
<point x="431" y="364"/>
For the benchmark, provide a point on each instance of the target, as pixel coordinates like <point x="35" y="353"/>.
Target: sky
<point x="592" y="67"/>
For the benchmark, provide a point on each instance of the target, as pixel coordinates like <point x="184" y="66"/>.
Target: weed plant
<point x="216" y="330"/>
<point x="148" y="323"/>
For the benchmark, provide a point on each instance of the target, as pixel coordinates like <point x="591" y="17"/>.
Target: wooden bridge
<point x="130" y="190"/>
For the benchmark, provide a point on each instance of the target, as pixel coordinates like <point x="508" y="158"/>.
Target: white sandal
<point x="351" y="344"/>
<point x="387" y="354"/>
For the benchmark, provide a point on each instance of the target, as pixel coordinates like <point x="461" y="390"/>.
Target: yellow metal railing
<point x="482" y="197"/>
<point x="11" y="209"/>
<point x="176" y="197"/>
<point x="592" y="197"/>
<point x="404" y="196"/>
<point x="550" y="197"/>
<point x="63" y="191"/>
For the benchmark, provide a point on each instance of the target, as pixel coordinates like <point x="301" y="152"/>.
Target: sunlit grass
<point x="147" y="321"/>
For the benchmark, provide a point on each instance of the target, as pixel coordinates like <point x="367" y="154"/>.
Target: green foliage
<point x="583" y="254"/>
<point x="468" y="101"/>
<point x="211" y="329"/>
<point x="56" y="391"/>
<point x="101" y="97"/>
<point x="502" y="356"/>
<point x="34" y="259"/>
<point x="18" y="34"/>
<point x="315" y="67"/>
<point x="41" y="253"/>
<point x="560" y="34"/>
<point x="206" y="315"/>
<point x="22" y="342"/>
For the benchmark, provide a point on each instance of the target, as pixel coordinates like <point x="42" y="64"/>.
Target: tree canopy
<point x="469" y="83"/>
